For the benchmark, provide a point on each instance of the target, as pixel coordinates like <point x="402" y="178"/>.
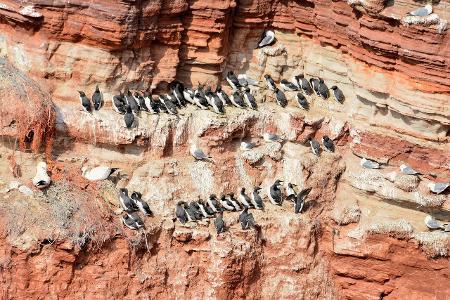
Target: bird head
<point x="257" y="188"/>
<point x="242" y="190"/>
<point x="333" y="87"/>
<point x="230" y="73"/>
<point x="81" y="93"/>
<point x="278" y="182"/>
<point x="213" y="196"/>
<point x="97" y="89"/>
<point x="266" y="76"/>
<point x="124" y="191"/>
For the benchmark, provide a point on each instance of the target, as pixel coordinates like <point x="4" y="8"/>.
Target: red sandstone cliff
<point x="396" y="79"/>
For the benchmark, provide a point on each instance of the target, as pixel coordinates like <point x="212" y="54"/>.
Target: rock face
<point x="362" y="234"/>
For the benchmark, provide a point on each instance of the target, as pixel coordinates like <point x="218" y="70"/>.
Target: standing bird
<point x="141" y="102"/>
<point x="328" y="143"/>
<point x="222" y="95"/>
<point x="198" y="153"/>
<point x="315" y="146"/>
<point x="205" y="210"/>
<point x="190" y="212"/>
<point x="177" y="89"/>
<point x="270" y="83"/>
<point x="233" y="80"/>
<point x="85" y="102"/>
<point x="226" y="203"/>
<point x="125" y="201"/>
<point x="131" y="101"/>
<point x="315" y="85"/>
<point x="337" y="93"/>
<point x="300" y="200"/>
<point x="130" y="222"/>
<point x="237" y="206"/>
<point x="249" y="99"/>
<point x="129" y="117"/>
<point x="267" y="38"/>
<point x="41" y="180"/>
<point x="219" y="223"/>
<point x="141" y="204"/>
<point x="256" y="199"/>
<point x="214" y="203"/>
<point x="245" y="200"/>
<point x="217" y="104"/>
<point x="246" y="219"/>
<point x="288" y="86"/>
<point x="188" y="95"/>
<point x="171" y="108"/>
<point x="422" y="11"/>
<point x="200" y="99"/>
<point x="301" y="100"/>
<point x="151" y="105"/>
<point x="195" y="208"/>
<point x="97" y="99"/>
<point x="237" y="100"/>
<point x="323" y="89"/>
<point x="304" y="84"/>
<point x="180" y="213"/>
<point x="280" y="97"/>
<point x="290" y="192"/>
<point x="97" y="173"/>
<point x="275" y="194"/>
<point x="137" y="220"/>
<point x="119" y="104"/>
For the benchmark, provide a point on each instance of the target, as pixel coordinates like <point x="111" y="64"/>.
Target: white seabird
<point x="198" y="153"/>
<point x="369" y="164"/>
<point x="97" y="173"/>
<point x="422" y="11"/>
<point x="41" y="179"/>
<point x="438" y="187"/>
<point x="408" y="170"/>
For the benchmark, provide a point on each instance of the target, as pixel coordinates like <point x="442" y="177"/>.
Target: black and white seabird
<point x="337" y="93"/>
<point x="180" y="213"/>
<point x="301" y="100"/>
<point x="275" y="194"/>
<point x="177" y="89"/>
<point x="322" y="89"/>
<point x="249" y="99"/>
<point x="244" y="199"/>
<point x="304" y="84"/>
<point x="246" y="219"/>
<point x="315" y="85"/>
<point x="422" y="11"/>
<point x="290" y="192"/>
<point x="209" y="95"/>
<point x="287" y="85"/>
<point x="85" y="103"/>
<point x="195" y="208"/>
<point x="126" y="202"/>
<point x="267" y="39"/>
<point x="217" y="104"/>
<point x="237" y="100"/>
<point x="131" y="101"/>
<point x="188" y="95"/>
<point x="256" y="199"/>
<point x="119" y="103"/>
<point x="204" y="210"/>
<point x="315" y="146"/>
<point x="237" y="206"/>
<point x="97" y="99"/>
<point x="214" y="203"/>
<point x="219" y="223"/>
<point x="328" y="143"/>
<point x="136" y="218"/>
<point x="129" y="222"/>
<point x="280" y="97"/>
<point x="151" y="105"/>
<point x="226" y="203"/>
<point x="141" y="204"/>
<point x="141" y="102"/>
<point x="300" y="200"/>
<point x="233" y="80"/>
<point x="170" y="106"/>
<point x="270" y="83"/>
<point x="97" y="173"/>
<point x="129" y="117"/>
<point x="222" y="95"/>
<point x="200" y="99"/>
<point x="190" y="213"/>
<point x="41" y="180"/>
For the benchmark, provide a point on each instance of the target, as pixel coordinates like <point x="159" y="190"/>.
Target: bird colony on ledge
<point x="130" y="105"/>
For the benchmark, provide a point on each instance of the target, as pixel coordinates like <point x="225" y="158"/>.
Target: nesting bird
<point x="141" y="204"/>
<point x="125" y="201"/>
<point x="233" y="80"/>
<point x="198" y="153"/>
<point x="301" y="100"/>
<point x="246" y="146"/>
<point x="369" y="164"/>
<point x="328" y="143"/>
<point x="274" y="193"/>
<point x="97" y="173"/>
<point x="267" y="38"/>
<point x="270" y="83"/>
<point x="41" y="180"/>
<point x="337" y="93"/>
<point x="180" y="212"/>
<point x="237" y="100"/>
<point x="280" y="97"/>
<point x="119" y="103"/>
<point x="249" y="99"/>
<point x="438" y="187"/>
<point x="270" y="137"/>
<point x="405" y="169"/>
<point x="304" y="84"/>
<point x="315" y="146"/>
<point x="422" y="11"/>
<point x="288" y="86"/>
